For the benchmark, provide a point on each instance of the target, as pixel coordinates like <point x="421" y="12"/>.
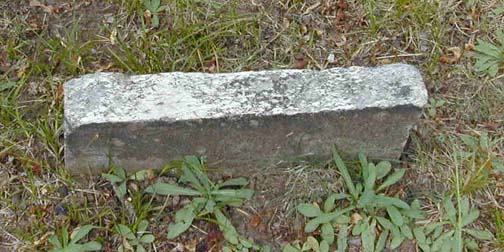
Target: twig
<point x="400" y="55"/>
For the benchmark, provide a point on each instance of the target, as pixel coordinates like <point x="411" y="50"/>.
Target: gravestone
<point x="239" y="120"/>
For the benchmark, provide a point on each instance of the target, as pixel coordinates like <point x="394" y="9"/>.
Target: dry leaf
<point x="148" y="18"/>
<point x="285" y="23"/>
<point x="127" y="246"/>
<point x="113" y="36"/>
<point x="36" y="169"/>
<point x="340" y="16"/>
<point x="355" y="218"/>
<point x="256" y="220"/>
<point x="214" y="235"/>
<point x="300" y="62"/>
<point x="210" y="65"/>
<point x="339" y="39"/>
<point x="342" y="4"/>
<point x="311" y="8"/>
<point x="469" y="47"/>
<point x="21" y="71"/>
<point x="303" y="29"/>
<point x="45" y="8"/>
<point x="59" y="93"/>
<point x="493" y="126"/>
<point x="331" y="59"/>
<point x="476" y="13"/>
<point x="453" y="57"/>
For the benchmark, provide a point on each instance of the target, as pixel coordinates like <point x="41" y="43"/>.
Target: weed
<point x="435" y="238"/>
<point x="204" y="32"/>
<point x="369" y="205"/>
<point x="499" y="226"/>
<point x="118" y="178"/>
<point x="153" y="9"/>
<point x="311" y="244"/>
<point x="63" y="243"/>
<point x="448" y="234"/>
<point x="479" y="161"/>
<point x="209" y="198"/>
<point x="490" y="57"/>
<point x="69" y="50"/>
<point x="135" y="241"/>
<point x="434" y="104"/>
<point x="325" y="218"/>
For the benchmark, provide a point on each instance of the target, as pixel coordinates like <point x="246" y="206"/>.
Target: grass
<point x="39" y="51"/>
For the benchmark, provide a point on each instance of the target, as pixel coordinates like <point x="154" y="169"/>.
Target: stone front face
<point x="241" y="121"/>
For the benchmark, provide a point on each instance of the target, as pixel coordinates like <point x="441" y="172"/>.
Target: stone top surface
<point x="116" y="97"/>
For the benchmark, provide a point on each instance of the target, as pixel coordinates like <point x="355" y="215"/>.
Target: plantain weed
<point x="324" y="218"/>
<point x="135" y="239"/>
<point x="376" y="216"/>
<point x="479" y="162"/>
<point x="118" y="178"/>
<point x="154" y="8"/>
<point x="433" y="105"/>
<point x="209" y="198"/>
<point x="311" y="244"/>
<point x="370" y="213"/>
<point x="63" y="243"/>
<point x="490" y="57"/>
<point x="452" y="232"/>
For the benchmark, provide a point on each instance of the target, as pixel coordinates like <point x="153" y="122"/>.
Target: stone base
<point x="240" y="121"/>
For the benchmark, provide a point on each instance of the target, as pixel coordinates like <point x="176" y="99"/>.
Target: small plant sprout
<point x="63" y="243"/>
<point x="490" y="57"/>
<point x="118" y="178"/>
<point x="434" y="104"/>
<point x="324" y="218"/>
<point x="153" y="9"/>
<point x="209" y="198"/>
<point x="311" y="244"/>
<point x="135" y="241"/>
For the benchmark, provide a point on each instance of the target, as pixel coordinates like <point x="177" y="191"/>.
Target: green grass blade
<point x="340" y="164"/>
<point x="169" y="189"/>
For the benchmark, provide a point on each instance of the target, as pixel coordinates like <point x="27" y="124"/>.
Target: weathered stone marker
<point x="238" y="120"/>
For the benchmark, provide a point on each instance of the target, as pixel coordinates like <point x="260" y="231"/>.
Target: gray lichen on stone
<point x="115" y="97"/>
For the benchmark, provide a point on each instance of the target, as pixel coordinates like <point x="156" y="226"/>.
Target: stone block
<point x="241" y="121"/>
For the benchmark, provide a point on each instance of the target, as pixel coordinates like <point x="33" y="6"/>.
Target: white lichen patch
<point x="114" y="97"/>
